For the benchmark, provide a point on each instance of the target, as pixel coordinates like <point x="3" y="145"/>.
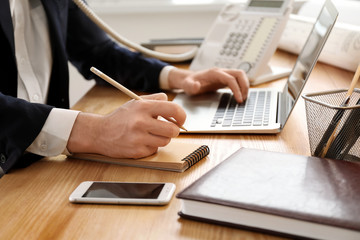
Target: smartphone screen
<point x="130" y="190"/>
<point x="123" y="193"/>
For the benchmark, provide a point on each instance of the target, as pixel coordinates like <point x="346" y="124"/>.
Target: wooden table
<point x="34" y="200"/>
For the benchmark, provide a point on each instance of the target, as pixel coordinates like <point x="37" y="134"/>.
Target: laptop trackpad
<point x="199" y="109"/>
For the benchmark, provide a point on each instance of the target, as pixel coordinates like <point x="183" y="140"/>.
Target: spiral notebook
<point x="177" y="156"/>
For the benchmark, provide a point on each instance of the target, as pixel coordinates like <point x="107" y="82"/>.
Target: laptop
<point x="266" y="110"/>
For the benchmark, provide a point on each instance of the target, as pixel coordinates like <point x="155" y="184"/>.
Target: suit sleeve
<point x="20" y="123"/>
<point x="88" y="46"/>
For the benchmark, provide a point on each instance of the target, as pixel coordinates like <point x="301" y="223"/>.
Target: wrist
<point x="84" y="134"/>
<point x="176" y="77"/>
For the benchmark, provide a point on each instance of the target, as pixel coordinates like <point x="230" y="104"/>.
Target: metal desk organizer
<point x="325" y="113"/>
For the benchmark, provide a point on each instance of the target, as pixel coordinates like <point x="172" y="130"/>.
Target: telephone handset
<point x="162" y="56"/>
<point x="246" y="38"/>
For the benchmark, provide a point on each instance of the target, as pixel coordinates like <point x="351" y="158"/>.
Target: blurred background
<point x="143" y="20"/>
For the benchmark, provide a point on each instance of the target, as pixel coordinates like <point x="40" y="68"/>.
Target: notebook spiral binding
<point x="197" y="155"/>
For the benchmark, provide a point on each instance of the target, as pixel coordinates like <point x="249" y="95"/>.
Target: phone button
<point x="246" y="66"/>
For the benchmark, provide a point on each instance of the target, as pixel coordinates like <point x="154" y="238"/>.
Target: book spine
<point x="197" y="155"/>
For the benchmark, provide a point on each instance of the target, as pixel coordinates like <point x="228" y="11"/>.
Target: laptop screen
<point x="307" y="59"/>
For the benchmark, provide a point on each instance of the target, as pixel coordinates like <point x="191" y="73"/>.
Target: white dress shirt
<point x="34" y="61"/>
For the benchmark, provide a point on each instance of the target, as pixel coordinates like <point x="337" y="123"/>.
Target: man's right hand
<point x="133" y="130"/>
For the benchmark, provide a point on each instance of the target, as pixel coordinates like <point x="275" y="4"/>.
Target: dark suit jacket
<point x="73" y="37"/>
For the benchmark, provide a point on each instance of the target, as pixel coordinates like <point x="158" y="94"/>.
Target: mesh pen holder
<point x="325" y="113"/>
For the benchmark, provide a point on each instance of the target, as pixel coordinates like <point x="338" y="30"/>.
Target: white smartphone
<point x="137" y="193"/>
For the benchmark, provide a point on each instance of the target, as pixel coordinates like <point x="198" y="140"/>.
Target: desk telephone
<point x="246" y="37"/>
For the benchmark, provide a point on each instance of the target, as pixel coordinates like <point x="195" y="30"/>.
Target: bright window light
<point x="188" y="2"/>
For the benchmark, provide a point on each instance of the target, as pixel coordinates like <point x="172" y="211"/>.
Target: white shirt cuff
<point x="53" y="138"/>
<point x="164" y="77"/>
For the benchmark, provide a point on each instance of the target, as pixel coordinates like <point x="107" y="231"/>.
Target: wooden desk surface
<point x="34" y="201"/>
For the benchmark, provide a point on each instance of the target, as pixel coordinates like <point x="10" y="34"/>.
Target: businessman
<point x="37" y="39"/>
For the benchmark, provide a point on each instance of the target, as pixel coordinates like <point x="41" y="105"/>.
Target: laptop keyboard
<point x="254" y="112"/>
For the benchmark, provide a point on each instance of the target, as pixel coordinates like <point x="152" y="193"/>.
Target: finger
<point x="224" y="76"/>
<point x="156" y="96"/>
<point x="167" y="110"/>
<point x="160" y="139"/>
<point x="155" y="141"/>
<point x="204" y="81"/>
<point x="142" y="151"/>
<point x="163" y="128"/>
<point x="145" y="144"/>
<point x="242" y="81"/>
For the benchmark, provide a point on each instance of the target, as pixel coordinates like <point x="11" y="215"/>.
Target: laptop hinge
<point x="280" y="110"/>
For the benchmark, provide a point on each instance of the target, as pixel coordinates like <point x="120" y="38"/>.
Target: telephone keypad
<point x="233" y="46"/>
<point x="236" y="45"/>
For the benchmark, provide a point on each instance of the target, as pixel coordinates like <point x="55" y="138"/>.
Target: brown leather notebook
<point x="177" y="156"/>
<point x="279" y="193"/>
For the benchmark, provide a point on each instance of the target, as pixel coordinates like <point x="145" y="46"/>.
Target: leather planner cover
<point x="285" y="194"/>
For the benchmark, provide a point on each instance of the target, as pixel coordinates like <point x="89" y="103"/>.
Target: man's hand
<point x="210" y="80"/>
<point x="131" y="131"/>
